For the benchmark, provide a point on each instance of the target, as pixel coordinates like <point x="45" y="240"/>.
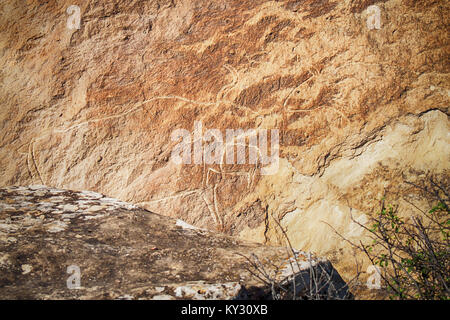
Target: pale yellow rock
<point x="26" y="268"/>
<point x="69" y="207"/>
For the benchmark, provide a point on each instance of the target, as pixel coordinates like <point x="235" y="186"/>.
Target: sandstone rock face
<point x="358" y="106"/>
<point x="48" y="237"/>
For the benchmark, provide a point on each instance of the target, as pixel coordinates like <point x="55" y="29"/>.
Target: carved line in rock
<point x="317" y="73"/>
<point x="223" y="92"/>
<point x="33" y="165"/>
<point x="214" y="204"/>
<point x="173" y="196"/>
<point x="221" y="95"/>
<point x="48" y="132"/>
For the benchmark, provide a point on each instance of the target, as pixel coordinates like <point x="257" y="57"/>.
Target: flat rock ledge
<point x="63" y="244"/>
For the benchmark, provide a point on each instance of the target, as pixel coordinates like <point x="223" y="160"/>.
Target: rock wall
<point x="358" y="107"/>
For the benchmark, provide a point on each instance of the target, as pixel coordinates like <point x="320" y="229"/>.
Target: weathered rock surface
<point x="357" y="109"/>
<point x="125" y="252"/>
